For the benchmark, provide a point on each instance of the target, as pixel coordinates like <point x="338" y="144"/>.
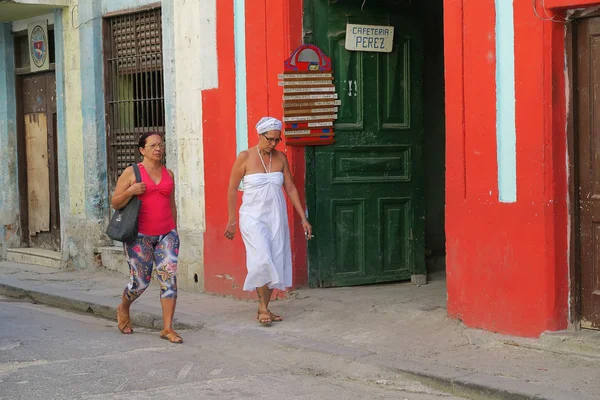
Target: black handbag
<point x="123" y="225"/>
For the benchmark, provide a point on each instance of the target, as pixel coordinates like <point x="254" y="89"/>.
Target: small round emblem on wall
<point x="38" y="46"/>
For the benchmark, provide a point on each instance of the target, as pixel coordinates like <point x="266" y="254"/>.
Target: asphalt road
<point x="47" y="353"/>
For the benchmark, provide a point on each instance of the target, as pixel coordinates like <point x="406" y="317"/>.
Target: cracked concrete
<point x="398" y="328"/>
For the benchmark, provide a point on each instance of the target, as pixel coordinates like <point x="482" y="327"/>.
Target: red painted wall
<point x="273" y="30"/>
<point x="564" y="4"/>
<point x="507" y="264"/>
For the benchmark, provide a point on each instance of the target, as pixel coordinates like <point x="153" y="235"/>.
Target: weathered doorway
<point x="367" y="189"/>
<point x="38" y="148"/>
<point x="587" y="157"/>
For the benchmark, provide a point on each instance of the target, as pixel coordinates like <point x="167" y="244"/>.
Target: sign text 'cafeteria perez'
<point x="369" y="38"/>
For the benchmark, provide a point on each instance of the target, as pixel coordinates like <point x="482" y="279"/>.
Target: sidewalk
<point x="394" y="327"/>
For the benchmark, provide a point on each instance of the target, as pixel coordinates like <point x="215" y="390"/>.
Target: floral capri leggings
<point x="142" y="254"/>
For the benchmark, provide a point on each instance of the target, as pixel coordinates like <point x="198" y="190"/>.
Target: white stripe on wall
<point x="241" y="108"/>
<point x="506" y="135"/>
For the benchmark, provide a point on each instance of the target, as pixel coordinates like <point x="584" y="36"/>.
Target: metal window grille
<point x="134" y="85"/>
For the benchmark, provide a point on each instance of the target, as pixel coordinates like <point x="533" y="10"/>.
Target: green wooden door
<point x="367" y="189"/>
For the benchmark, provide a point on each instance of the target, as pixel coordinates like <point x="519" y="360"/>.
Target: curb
<point x="472" y="389"/>
<point x="143" y="318"/>
<point x="467" y="384"/>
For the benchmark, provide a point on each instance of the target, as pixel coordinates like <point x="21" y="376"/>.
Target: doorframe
<point x="573" y="169"/>
<point x="20" y="75"/>
<point x="22" y="164"/>
<point x="573" y="180"/>
<point x="312" y="257"/>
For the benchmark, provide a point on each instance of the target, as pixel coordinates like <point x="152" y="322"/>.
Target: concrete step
<point x="113" y="259"/>
<point x="584" y="342"/>
<point x="43" y="257"/>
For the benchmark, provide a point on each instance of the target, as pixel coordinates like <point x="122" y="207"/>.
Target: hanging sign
<point x="371" y="38"/>
<point x="315" y="75"/>
<point x="292" y="104"/>
<point x="309" y="89"/>
<point x="311" y="97"/>
<point x="305" y="83"/>
<point x="38" y="45"/>
<point x="310" y="102"/>
<point x="312" y="111"/>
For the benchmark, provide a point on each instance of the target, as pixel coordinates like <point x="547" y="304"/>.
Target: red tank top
<point x="156" y="217"/>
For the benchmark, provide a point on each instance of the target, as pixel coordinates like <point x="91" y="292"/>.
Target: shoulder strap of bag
<point x="136" y="171"/>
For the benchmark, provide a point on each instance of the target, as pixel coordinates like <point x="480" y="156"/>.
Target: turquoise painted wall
<point x="8" y="142"/>
<point x="92" y="107"/>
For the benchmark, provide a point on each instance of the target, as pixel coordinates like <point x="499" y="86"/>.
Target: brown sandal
<point x="274" y="317"/>
<point x="264" y="321"/>
<point x="123" y="323"/>
<point x="171" y="336"/>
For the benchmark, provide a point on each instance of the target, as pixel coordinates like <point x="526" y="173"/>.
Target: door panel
<point x="349" y="236"/>
<point x="368" y="186"/>
<point x="395" y="215"/>
<point x="394" y="87"/>
<point x="350" y="65"/>
<point x="588" y="166"/>
<point x="38" y="179"/>
<point x="40" y="122"/>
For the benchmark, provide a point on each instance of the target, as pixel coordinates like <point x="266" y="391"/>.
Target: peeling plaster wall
<point x="74" y="222"/>
<point x="92" y="108"/>
<point x="85" y="211"/>
<point x="81" y="127"/>
<point x="86" y="215"/>
<point x="73" y="117"/>
<point x="196" y="29"/>
<point x="86" y="227"/>
<point x="9" y="235"/>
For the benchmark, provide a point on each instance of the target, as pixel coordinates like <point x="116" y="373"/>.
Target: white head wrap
<point x="267" y="124"/>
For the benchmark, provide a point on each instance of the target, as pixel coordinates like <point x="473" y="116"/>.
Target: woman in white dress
<point x="263" y="215"/>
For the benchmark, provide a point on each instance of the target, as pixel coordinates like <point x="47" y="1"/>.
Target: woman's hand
<point x="307" y="229"/>
<point x="230" y="230"/>
<point x="137" y="188"/>
<point x="237" y="173"/>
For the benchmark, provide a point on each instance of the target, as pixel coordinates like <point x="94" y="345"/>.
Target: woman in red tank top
<point x="158" y="241"/>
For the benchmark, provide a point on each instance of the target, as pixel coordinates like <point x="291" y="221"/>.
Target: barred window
<point x="133" y="85"/>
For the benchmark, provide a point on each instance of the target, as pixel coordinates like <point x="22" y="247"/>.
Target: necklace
<point x="263" y="162"/>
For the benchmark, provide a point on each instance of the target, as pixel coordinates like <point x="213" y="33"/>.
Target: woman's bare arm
<point x="237" y="173"/>
<point x="126" y="189"/>
<point x="292" y="192"/>
<point x="173" y="202"/>
<point x="290" y="187"/>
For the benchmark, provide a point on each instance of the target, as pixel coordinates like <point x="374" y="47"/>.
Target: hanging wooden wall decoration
<point x="310" y="103"/>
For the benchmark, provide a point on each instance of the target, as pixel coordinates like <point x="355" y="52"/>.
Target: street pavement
<point x="377" y="334"/>
<point x="48" y="353"/>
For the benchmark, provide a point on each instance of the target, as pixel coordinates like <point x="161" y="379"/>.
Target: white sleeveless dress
<point x="265" y="230"/>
